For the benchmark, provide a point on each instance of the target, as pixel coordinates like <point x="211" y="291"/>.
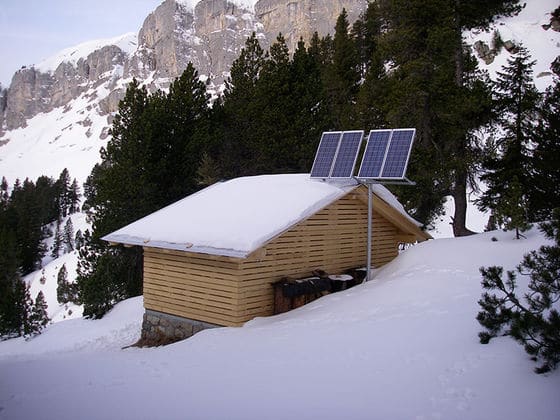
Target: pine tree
<point x="58" y="241"/>
<point x="241" y="111"/>
<point x="534" y="320"/>
<point x="63" y="287"/>
<point x="39" y="317"/>
<point x="433" y="84"/>
<point x="4" y="195"/>
<point x="28" y="225"/>
<point x="74" y="197"/>
<point x="68" y="236"/>
<point x="10" y="280"/>
<point x="79" y="239"/>
<point x="23" y="308"/>
<point x="544" y="194"/>
<point x="508" y="171"/>
<point x="367" y="32"/>
<point x="63" y="187"/>
<point x="342" y="75"/>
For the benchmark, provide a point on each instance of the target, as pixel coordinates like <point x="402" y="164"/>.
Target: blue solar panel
<point x="345" y="160"/>
<point x="325" y="154"/>
<point x="398" y="154"/>
<point x="374" y="156"/>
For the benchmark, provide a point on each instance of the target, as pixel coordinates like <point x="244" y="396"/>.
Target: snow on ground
<point x="67" y="137"/>
<point x="525" y="29"/>
<point x="403" y="346"/>
<point x="46" y="279"/>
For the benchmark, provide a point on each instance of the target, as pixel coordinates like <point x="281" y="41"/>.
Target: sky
<point x="32" y="30"/>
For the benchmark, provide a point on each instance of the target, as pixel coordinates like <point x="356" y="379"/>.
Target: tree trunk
<point x="459" y="192"/>
<point x="459" y="195"/>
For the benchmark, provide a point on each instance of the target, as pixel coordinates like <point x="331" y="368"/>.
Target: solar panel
<point x="347" y="154"/>
<point x="326" y="154"/>
<point x="398" y="153"/>
<point x="374" y="155"/>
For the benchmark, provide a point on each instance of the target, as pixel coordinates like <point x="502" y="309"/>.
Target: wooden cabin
<point x="212" y="256"/>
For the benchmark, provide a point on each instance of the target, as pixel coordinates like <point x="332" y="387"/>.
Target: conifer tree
<point x="533" y="320"/>
<point x="23" y="308"/>
<point x="544" y="194"/>
<point x="63" y="286"/>
<point x="64" y="199"/>
<point x="74" y="197"/>
<point x="58" y="241"/>
<point x="4" y="195"/>
<point x="39" y="317"/>
<point x="240" y="111"/>
<point x="434" y="86"/>
<point x="68" y="236"/>
<point x="508" y="170"/>
<point x="28" y="225"/>
<point x="10" y="280"/>
<point x="342" y="75"/>
<point x="367" y="32"/>
<point x="79" y="239"/>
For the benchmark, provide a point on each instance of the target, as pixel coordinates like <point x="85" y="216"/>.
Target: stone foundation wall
<point x="161" y="327"/>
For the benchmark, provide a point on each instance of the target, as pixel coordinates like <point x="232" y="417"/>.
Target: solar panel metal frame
<point x="407" y="158"/>
<point x="368" y="146"/>
<point x="353" y="156"/>
<point x="387" y="149"/>
<point x="318" y="155"/>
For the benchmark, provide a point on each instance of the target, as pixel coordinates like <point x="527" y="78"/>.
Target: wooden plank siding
<point x="230" y="291"/>
<point x="196" y="286"/>
<point x="333" y="239"/>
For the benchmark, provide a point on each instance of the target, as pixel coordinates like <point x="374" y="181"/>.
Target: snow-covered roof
<point x="236" y="217"/>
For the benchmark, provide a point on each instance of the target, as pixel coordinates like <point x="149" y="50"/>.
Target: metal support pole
<point x="369" y="231"/>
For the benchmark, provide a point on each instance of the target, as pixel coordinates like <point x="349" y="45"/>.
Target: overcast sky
<point x="32" y="30"/>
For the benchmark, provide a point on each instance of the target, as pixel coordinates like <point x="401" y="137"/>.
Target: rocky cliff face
<point x="210" y="36"/>
<point x="300" y="19"/>
<point x="32" y="91"/>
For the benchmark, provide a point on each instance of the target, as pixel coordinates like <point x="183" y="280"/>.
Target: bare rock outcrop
<point x="28" y="95"/>
<point x="297" y="19"/>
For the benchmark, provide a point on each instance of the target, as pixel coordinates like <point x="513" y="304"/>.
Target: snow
<point x="526" y="29"/>
<point x="127" y="43"/>
<point x="236" y="217"/>
<point x="67" y="137"/>
<point x="403" y="346"/>
<point x="49" y="273"/>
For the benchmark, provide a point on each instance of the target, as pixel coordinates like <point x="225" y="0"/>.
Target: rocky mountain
<point x="210" y="36"/>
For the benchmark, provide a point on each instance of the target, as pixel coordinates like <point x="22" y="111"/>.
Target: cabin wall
<point x="229" y="291"/>
<point x="334" y="240"/>
<point x="195" y="286"/>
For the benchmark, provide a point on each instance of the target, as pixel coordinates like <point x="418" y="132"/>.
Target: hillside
<point x="402" y="346"/>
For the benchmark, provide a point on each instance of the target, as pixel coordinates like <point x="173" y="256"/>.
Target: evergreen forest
<point x="27" y="215"/>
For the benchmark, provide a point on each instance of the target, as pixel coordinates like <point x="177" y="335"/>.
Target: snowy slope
<point x="403" y="346"/>
<point x="127" y="42"/>
<point x="525" y="29"/>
